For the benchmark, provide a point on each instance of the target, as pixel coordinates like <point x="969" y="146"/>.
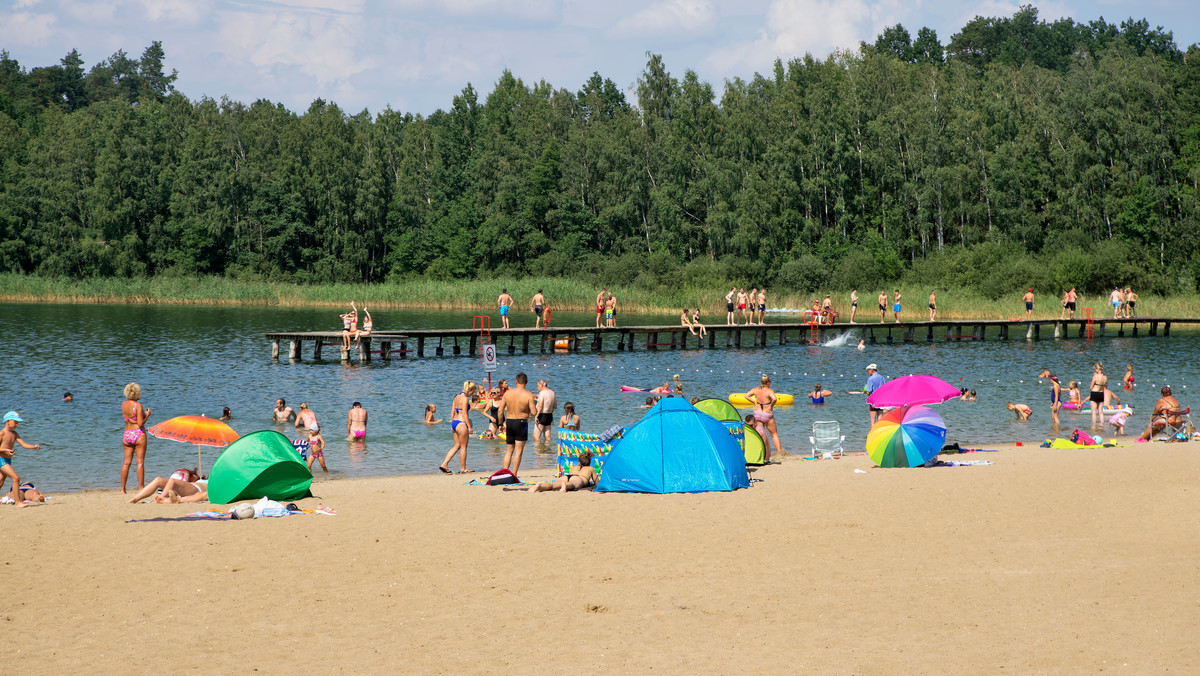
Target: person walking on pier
<point x="356" y="423"/>
<point x="1072" y="298"/>
<point x="729" y="306"/>
<point x="874" y="382"/>
<point x="537" y="305"/>
<point x="853" y="304"/>
<point x="1130" y="302"/>
<point x="882" y="306"/>
<point x="1028" y="298"/>
<point x="505" y="301"/>
<point x="519" y="406"/>
<point x="932" y="306"/>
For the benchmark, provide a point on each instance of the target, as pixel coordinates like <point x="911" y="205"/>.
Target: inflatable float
<point x="740" y="399"/>
<point x="626" y="388"/>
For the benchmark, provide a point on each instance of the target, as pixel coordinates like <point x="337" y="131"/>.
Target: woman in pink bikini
<point x="764" y="411"/>
<point x="134" y="439"/>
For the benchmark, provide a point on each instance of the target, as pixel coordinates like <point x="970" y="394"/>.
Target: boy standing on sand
<point x="1028" y="298"/>
<point x="538" y="302"/>
<point x="9" y="438"/>
<point x="504" y="301"/>
<point x="519" y="406"/>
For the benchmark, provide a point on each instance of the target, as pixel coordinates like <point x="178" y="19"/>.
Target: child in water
<point x="316" y="447"/>
<point x="1118" y="421"/>
<point x="1128" y="379"/>
<point x="430" y="410"/>
<point x="1021" y="410"/>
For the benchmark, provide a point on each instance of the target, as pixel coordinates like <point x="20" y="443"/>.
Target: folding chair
<point x="1181" y="429"/>
<point x="827" y="438"/>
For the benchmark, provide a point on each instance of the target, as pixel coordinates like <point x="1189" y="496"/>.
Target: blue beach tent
<point x="675" y="449"/>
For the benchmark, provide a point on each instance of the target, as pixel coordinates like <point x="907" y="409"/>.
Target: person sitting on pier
<point x="349" y="326"/>
<point x="1166" y="410"/>
<point x="1023" y="412"/>
<point x="685" y="319"/>
<point x="365" y="331"/>
<point x="696" y="323"/>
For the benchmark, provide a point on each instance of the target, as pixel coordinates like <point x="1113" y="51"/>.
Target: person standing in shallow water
<point x="356" y="423"/>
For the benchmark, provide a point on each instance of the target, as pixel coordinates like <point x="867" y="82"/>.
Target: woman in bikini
<point x="1127" y="381"/>
<point x="1096" y="393"/>
<point x="583" y="477"/>
<point x="365" y="331"/>
<point x="569" y="420"/>
<point x="685" y="319"/>
<point x="1055" y="398"/>
<point x="696" y="323"/>
<point x="184" y="485"/>
<point x="134" y="439"/>
<point x="764" y="411"/>
<point x="460" y="427"/>
<point x="305" y="418"/>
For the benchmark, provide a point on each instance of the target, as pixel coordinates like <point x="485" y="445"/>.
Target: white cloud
<point x="669" y="17"/>
<point x="186" y="12"/>
<point x="531" y="10"/>
<point x="26" y="28"/>
<point x="320" y="46"/>
<point x="23" y="4"/>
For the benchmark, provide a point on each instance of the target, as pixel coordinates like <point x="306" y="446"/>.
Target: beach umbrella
<point x="195" y="429"/>
<point x="906" y="437"/>
<point x="913" y="390"/>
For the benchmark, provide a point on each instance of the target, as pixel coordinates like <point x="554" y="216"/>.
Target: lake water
<point x="195" y="360"/>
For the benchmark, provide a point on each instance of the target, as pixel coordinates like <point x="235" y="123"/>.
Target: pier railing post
<point x="317" y="348"/>
<point x="294" y="350"/>
<point x="275" y="350"/>
<point x="420" y="346"/>
<point x="364" y="350"/>
<point x="385" y="350"/>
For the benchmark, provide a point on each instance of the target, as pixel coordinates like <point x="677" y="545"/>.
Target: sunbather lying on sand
<point x="583" y="477"/>
<point x="184" y="485"/>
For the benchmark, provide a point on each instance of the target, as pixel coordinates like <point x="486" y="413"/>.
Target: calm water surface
<point x="195" y="360"/>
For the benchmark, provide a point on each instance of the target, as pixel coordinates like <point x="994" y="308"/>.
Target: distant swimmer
<point x="853" y="304"/>
<point x="282" y="412"/>
<point x="729" y="305"/>
<point x="67" y="397"/>
<point x="537" y="305"/>
<point x="431" y="415"/>
<point x="505" y="301"/>
<point x="305" y="417"/>
<point x="600" y="300"/>
<point x="678" y="386"/>
<point x="817" y="396"/>
<point x="1023" y="412"/>
<point x="1028" y="298"/>
<point x="226" y="414"/>
<point x="665" y="388"/>
<point x="356" y="423"/>
<point x="862" y="344"/>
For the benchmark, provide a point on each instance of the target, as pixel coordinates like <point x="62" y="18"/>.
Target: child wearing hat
<point x="316" y="446"/>
<point x="9" y="438"/>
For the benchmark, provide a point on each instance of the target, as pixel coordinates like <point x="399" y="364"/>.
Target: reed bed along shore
<point x="563" y="294"/>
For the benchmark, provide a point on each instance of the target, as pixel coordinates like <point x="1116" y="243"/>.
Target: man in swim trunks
<point x="600" y="297"/>
<point x="896" y="307"/>
<point x="1028" y="298"/>
<point x="538" y="302"/>
<point x="874" y="382"/>
<point x="504" y="301"/>
<point x="729" y="306"/>
<point x="932" y="306"/>
<point x="1117" y="299"/>
<point x="882" y="306"/>
<point x="518" y="406"/>
<point x="762" y="305"/>
<point x="853" y="304"/>
<point x="282" y="412"/>
<point x="546" y="404"/>
<point x="356" y="423"/>
<point x="9" y="438"/>
<point x="741" y="303"/>
<point x="1130" y="302"/>
<point x="610" y="311"/>
<point x="748" y="313"/>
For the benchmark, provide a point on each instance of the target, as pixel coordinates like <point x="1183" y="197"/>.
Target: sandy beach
<point x="1048" y="561"/>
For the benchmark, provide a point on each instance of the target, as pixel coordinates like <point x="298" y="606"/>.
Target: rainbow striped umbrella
<point x="906" y="437"/>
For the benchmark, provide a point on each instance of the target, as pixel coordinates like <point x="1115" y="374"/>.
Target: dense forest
<point x="1021" y="152"/>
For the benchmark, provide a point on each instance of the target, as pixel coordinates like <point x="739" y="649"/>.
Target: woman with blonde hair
<point x="460" y="427"/>
<point x="764" y="411"/>
<point x="134" y="439"/>
<point x="1096" y="393"/>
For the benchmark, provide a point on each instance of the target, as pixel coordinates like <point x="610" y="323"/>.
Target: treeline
<point x="1020" y="153"/>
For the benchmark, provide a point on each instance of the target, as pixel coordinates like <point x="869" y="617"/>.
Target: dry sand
<point x="1048" y="561"/>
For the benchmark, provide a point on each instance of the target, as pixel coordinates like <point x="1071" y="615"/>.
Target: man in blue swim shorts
<point x="1028" y="298"/>
<point x="504" y="301"/>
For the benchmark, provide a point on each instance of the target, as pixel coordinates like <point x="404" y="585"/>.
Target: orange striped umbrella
<point x="195" y="429"/>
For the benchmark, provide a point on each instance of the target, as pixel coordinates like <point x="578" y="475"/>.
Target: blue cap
<point x="12" y="415"/>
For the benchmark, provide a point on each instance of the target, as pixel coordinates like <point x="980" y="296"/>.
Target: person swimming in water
<point x="431" y="414"/>
<point x="817" y="396"/>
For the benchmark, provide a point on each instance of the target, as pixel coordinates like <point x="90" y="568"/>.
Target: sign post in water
<point x="489" y="358"/>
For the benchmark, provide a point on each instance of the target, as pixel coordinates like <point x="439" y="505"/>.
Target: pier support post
<point x="525" y="343"/>
<point x="728" y="337"/>
<point x="471" y="345"/>
<point x="871" y="336"/>
<point x="596" y="341"/>
<point x="403" y="348"/>
<point x="457" y="350"/>
<point x="317" y="348"/>
<point x="420" y="346"/>
<point x="783" y="336"/>
<point x="275" y="350"/>
<point x="1004" y="332"/>
<point x="737" y="339"/>
<point x="439" y="350"/>
<point x="385" y="349"/>
<point x="345" y="354"/>
<point x="712" y="339"/>
<point x="1166" y="329"/>
<point x="1153" y="329"/>
<point x="652" y="341"/>
<point x="929" y="335"/>
<point x="1135" y="330"/>
<point x="364" y="350"/>
<point x="294" y="350"/>
<point x="624" y="339"/>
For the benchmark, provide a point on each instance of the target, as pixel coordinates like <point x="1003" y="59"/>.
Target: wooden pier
<point x="387" y="345"/>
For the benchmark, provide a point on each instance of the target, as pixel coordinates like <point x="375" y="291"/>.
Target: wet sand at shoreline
<point x="1056" y="561"/>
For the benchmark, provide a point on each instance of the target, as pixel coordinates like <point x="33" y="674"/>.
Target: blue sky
<point x="415" y="55"/>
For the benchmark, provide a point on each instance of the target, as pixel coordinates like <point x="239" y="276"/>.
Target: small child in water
<point x="316" y="447"/>
<point x="430" y="410"/>
<point x="1021" y="410"/>
<point x="1127" y="381"/>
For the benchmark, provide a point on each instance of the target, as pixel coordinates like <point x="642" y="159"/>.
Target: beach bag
<point x="501" y="477"/>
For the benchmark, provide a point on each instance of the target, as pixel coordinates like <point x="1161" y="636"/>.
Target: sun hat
<point x="314" y="427"/>
<point x="242" y="511"/>
<point x="872" y="367"/>
<point x="12" y="415"/>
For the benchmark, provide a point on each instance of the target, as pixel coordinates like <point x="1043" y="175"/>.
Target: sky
<point x="416" y="55"/>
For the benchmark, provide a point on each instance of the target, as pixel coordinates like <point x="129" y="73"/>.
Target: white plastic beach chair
<point x="827" y="438"/>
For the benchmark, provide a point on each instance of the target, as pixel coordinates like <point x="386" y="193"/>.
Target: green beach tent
<point x="719" y="409"/>
<point x="260" y="464"/>
<point x="754" y="447"/>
